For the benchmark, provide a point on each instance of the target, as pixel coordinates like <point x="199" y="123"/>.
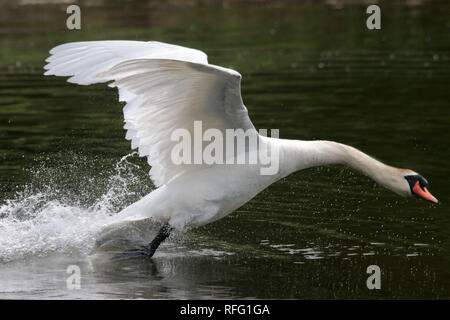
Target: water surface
<point x="314" y="72"/>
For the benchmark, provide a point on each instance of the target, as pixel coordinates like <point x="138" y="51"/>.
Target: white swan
<point x="167" y="87"/>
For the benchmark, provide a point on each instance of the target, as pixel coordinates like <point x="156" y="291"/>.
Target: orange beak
<point x="424" y="193"/>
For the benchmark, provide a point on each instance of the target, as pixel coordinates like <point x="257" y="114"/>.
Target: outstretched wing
<point x="83" y="60"/>
<point x="165" y="88"/>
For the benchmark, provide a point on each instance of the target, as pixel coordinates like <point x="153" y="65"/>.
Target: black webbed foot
<point x="149" y="250"/>
<point x="139" y="253"/>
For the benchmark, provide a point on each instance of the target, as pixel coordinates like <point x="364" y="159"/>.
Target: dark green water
<point x="314" y="72"/>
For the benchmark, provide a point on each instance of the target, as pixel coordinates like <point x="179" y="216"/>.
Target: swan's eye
<point x="414" y="178"/>
<point x="423" y="182"/>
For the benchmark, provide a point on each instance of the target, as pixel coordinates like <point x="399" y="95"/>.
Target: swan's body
<point x="167" y="87"/>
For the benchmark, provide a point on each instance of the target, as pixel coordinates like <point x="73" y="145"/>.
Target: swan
<point x="167" y="87"/>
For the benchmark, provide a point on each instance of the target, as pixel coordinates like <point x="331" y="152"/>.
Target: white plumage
<point x="167" y="87"/>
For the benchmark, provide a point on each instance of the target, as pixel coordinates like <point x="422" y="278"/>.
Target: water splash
<point x="120" y="185"/>
<point x="66" y="205"/>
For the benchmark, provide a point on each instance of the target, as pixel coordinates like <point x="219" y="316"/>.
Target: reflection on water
<point x="314" y="72"/>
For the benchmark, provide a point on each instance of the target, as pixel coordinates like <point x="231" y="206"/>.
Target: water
<point x="314" y="72"/>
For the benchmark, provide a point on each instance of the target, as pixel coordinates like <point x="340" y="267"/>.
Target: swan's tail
<point x="126" y="234"/>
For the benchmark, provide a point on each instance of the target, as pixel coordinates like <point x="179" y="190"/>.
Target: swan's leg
<point x="149" y="250"/>
<point x="163" y="233"/>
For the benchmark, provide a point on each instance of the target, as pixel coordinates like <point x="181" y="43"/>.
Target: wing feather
<point x="165" y="87"/>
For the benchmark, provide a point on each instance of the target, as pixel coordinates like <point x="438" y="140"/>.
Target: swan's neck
<point x="297" y="155"/>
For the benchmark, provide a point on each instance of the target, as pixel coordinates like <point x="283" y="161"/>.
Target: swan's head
<point x="414" y="184"/>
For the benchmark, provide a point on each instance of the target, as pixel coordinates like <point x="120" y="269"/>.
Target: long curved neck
<point x="297" y="155"/>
